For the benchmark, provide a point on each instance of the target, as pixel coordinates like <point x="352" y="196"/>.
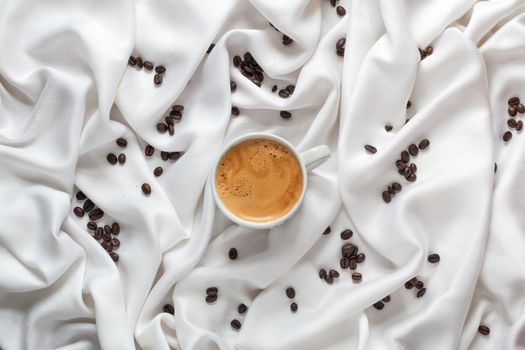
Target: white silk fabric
<point x="67" y="93"/>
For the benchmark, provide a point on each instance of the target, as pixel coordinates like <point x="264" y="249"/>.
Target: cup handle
<point x="316" y="156"/>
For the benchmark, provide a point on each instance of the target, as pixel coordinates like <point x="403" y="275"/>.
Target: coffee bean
<point x="115" y="242"/>
<point x="495" y="168"/>
<point x="146" y="189"/>
<point x="122" y="158"/>
<point x="419" y="284"/>
<point x="411" y="177"/>
<point x="169" y="120"/>
<point x="162" y="128"/>
<point x="340" y="52"/>
<point x="507" y="136"/>
<point x="327" y="230"/>
<point x="388" y="128"/>
<point x="107" y="229"/>
<point x="235" y="111"/>
<point x="379" y="305"/>
<point x="176" y="115"/>
<point x="386" y="299"/>
<point x="370" y="149"/>
<point x="429" y="50"/>
<point x="140" y="62"/>
<point x="168" y="308"/>
<point x="157" y="79"/>
<point x="413" y="281"/>
<point x="121" y="142"/>
<point x="78" y="212"/>
<point x="236" y="61"/>
<point x="294" y="307"/>
<point x="233" y="86"/>
<point x="91" y="225"/>
<point x="233" y="254"/>
<point x="106" y="237"/>
<point x="96" y="214"/>
<point x="212" y="45"/>
<point x="285" y="115"/>
<point x="287" y="40"/>
<point x="400" y="164"/>
<point x="80" y="196"/>
<point x="112" y="159"/>
<point x="322" y="273"/>
<point x="132" y="61"/>
<point x="409" y="104"/>
<point x="164" y="155"/>
<point x="348" y="249"/>
<point x="174" y="155"/>
<point x="340" y="43"/>
<point x="424" y="144"/>
<point x="148" y="65"/>
<point x="344" y="263"/>
<point x="212" y="291"/>
<point x="433" y="258"/>
<point x="387" y="197"/>
<point x="353" y="264"/>
<point x="329" y="279"/>
<point x="409" y="285"/>
<point x="148" y="151"/>
<point x="235" y="324"/>
<point x="405" y="156"/>
<point x="290" y="292"/>
<point x="242" y="308"/>
<point x="340" y="10"/>
<point x="334" y="273"/>
<point x="413" y="168"/>
<point x="484" y="330"/>
<point x="114" y="256"/>
<point x="511" y="123"/>
<point x="519" y="125"/>
<point x="211" y="298"/>
<point x="360" y="258"/>
<point x="99" y="233"/>
<point x="512" y="111"/>
<point x="396" y="186"/>
<point x="391" y="191"/>
<point x="346" y="234"/>
<point x="413" y="150"/>
<point x="520" y="108"/>
<point x="357" y="277"/>
<point x="332" y="2"/>
<point x="513" y="101"/>
<point x="421" y="292"/>
<point x="274" y="88"/>
<point x="284" y="93"/>
<point x="115" y="228"/>
<point x="158" y="171"/>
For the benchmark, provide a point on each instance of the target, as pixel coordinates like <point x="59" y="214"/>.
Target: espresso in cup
<point x="259" y="180"/>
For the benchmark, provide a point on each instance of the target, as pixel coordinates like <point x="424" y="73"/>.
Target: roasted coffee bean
<point x="212" y="291"/>
<point x="236" y="61"/>
<point x="104" y="245"/>
<point x="511" y="123"/>
<point x="162" y="128"/>
<point x="91" y="225"/>
<point x="157" y="79"/>
<point x="413" y="168"/>
<point x="344" y="263"/>
<point x="146" y="189"/>
<point x="290" y="89"/>
<point x="357" y="277"/>
<point x="484" y="330"/>
<point x="285" y="115"/>
<point x="409" y="104"/>
<point x="346" y="234"/>
<point x="419" y="284"/>
<point x="242" y="308"/>
<point x="235" y="111"/>
<point x="353" y="264"/>
<point x="386" y="299"/>
<point x="274" y="88"/>
<point x="495" y="168"/>
<point x="322" y="273"/>
<point x="512" y="111"/>
<point x="327" y="230"/>
<point x="236" y="324"/>
<point x="391" y="191"/>
<point x="160" y="69"/>
<point x="174" y="155"/>
<point x="332" y="2"/>
<point x="340" y="10"/>
<point x="411" y="177"/>
<point x="115" y="242"/>
<point x="168" y="308"/>
<point x="164" y="155"/>
<point x="96" y="214"/>
<point x="158" y="171"/>
<point x="149" y="150"/>
<point x="340" y="43"/>
<point x="514" y="101"/>
<point x="121" y="142"/>
<point x="99" y="233"/>
<point x="424" y="144"/>
<point x="413" y="281"/>
<point x="169" y="120"/>
<point x="413" y="150"/>
<point x="78" y="212"/>
<point x="233" y="86"/>
<point x="233" y="254"/>
<point x="290" y="292"/>
<point x="329" y="279"/>
<point x="80" y="196"/>
<point x="405" y="156"/>
<point x="348" y="249"/>
<point x="176" y="115"/>
<point x="433" y="258"/>
<point x="114" y="256"/>
<point x="211" y="298"/>
<point x="340" y="52"/>
<point x="334" y="273"/>
<point x="132" y="61"/>
<point x="396" y="186"/>
<point x="115" y="228"/>
<point x="421" y="292"/>
<point x="107" y="229"/>
<point x="294" y="307"/>
<point x="287" y="40"/>
<point x="212" y="45"/>
<point x="177" y="108"/>
<point x="148" y="65"/>
<point x="520" y="108"/>
<point x="400" y="164"/>
<point x="112" y="159"/>
<point x="140" y="62"/>
<point x="409" y="285"/>
<point x="106" y="237"/>
<point x="122" y="158"/>
<point x="407" y="171"/>
<point x="360" y="258"/>
<point x="387" y="197"/>
<point x="284" y="93"/>
<point x="379" y="305"/>
<point x="370" y="149"/>
<point x="388" y="128"/>
<point x="429" y="50"/>
<point x="519" y="125"/>
<point x="507" y="136"/>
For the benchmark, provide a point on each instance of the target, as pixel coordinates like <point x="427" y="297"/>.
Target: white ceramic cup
<point x="308" y="160"/>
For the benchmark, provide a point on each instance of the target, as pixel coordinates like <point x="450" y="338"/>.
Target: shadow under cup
<point x="259" y="181"/>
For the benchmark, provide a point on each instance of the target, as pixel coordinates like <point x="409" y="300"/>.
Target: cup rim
<point x="252" y="224"/>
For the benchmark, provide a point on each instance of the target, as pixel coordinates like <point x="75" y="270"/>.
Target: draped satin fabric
<point x="67" y="93"/>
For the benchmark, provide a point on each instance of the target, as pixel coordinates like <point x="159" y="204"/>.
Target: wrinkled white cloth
<point x="67" y="93"/>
